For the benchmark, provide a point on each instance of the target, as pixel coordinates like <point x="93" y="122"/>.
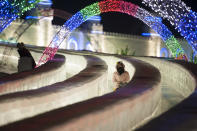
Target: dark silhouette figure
<point x="26" y="61"/>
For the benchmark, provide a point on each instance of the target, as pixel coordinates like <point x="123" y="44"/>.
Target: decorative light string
<point x="23" y="5"/>
<point x="179" y="15"/>
<point x="156" y="24"/>
<point x="108" y="6"/>
<point x="11" y="9"/>
<point x="7" y="14"/>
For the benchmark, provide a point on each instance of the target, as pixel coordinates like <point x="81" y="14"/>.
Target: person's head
<point x="120" y="67"/>
<point x="20" y="45"/>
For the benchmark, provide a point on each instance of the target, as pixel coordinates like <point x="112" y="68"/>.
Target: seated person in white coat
<point x="120" y="76"/>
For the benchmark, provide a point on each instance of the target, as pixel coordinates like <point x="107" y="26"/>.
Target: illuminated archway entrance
<point x="72" y="44"/>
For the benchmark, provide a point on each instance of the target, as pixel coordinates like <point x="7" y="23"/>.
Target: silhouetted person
<point x="120" y="77"/>
<point x="26" y="61"/>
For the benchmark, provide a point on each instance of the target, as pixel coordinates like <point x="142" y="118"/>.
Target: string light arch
<point x="179" y="15"/>
<point x="12" y="9"/>
<point x="111" y="6"/>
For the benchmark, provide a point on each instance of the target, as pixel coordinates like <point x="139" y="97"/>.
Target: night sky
<point x="114" y="21"/>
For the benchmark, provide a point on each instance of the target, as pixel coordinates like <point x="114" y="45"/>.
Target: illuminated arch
<point x="12" y="9"/>
<point x="72" y="41"/>
<point x="164" y="51"/>
<point x="179" y="15"/>
<point x="109" y="6"/>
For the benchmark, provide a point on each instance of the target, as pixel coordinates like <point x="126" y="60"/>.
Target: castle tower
<point x="96" y="33"/>
<point x="45" y="12"/>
